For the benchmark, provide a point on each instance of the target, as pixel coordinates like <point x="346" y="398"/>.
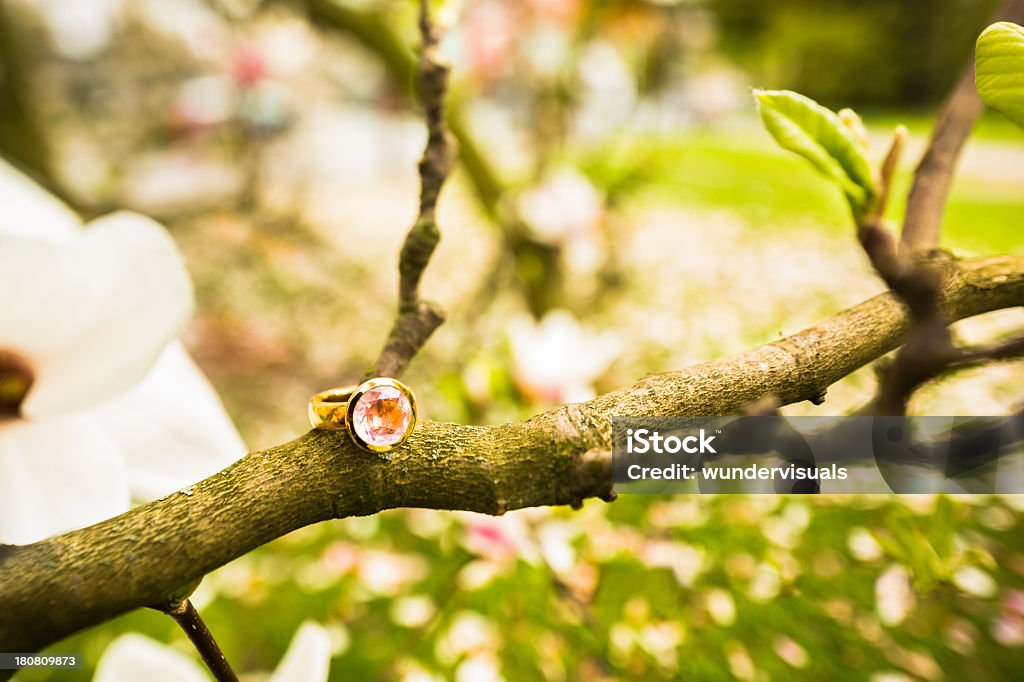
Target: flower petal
<point x="308" y="658"/>
<point x="56" y="476"/>
<point x="31" y="211"/>
<point x="131" y="658"/>
<point x="171" y="427"/>
<point x="91" y="316"/>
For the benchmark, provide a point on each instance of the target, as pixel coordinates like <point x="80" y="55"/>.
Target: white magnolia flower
<point x="115" y="409"/>
<point x="557" y="360"/>
<point x="133" y="657"/>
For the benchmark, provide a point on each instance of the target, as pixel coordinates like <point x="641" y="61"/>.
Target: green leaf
<point x="999" y="69"/>
<point x="804" y="127"/>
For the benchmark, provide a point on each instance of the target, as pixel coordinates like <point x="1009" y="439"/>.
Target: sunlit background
<point x="618" y="211"/>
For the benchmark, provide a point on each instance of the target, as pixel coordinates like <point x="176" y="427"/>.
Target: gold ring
<point x="378" y="414"/>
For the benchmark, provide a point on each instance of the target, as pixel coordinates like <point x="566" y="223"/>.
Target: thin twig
<point x="417" y="319"/>
<point x="544" y="285"/>
<point x="1012" y="349"/>
<point x="926" y="203"/>
<point x="185" y="615"/>
<point x="930" y="359"/>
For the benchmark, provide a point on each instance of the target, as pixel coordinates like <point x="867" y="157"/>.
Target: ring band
<point x="327" y="409"/>
<point x="378" y="414"/>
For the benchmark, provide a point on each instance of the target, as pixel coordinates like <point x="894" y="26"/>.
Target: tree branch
<point x="417" y="319"/>
<point x="53" y="588"/>
<point x="926" y="203"/>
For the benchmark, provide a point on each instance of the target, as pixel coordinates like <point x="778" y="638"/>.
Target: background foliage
<point x="625" y="214"/>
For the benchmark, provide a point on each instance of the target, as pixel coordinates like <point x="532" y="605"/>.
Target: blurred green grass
<point x="739" y="169"/>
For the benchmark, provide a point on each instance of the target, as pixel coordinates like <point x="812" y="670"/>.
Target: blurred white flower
<point x="487" y="38"/>
<point x="194" y="24"/>
<point x="715" y="94"/>
<point x="741" y="665"/>
<point x="790" y="651"/>
<point x="975" y="582"/>
<point x="862" y="545"/>
<point x="960" y="636"/>
<point x="567" y="210"/>
<point x="894" y="599"/>
<point x="720" y="606"/>
<point x="288" y="46"/>
<point x="173" y="180"/>
<point x="1013" y="602"/>
<point x="483" y="667"/>
<point x="413" y="611"/>
<point x="562" y="208"/>
<point x="114" y="407"/>
<point x="662" y="640"/>
<point x="688" y="562"/>
<point x="546" y="50"/>
<point x="765" y="583"/>
<point x="609" y="92"/>
<point x="1008" y="630"/>
<point x="205" y="101"/>
<point x="388" y="573"/>
<point x="469" y="634"/>
<point x="80" y="28"/>
<point x="557" y="360"/>
<point x="500" y="539"/>
<point x="555" y="543"/>
<point x="780" y="531"/>
<point x="133" y="657"/>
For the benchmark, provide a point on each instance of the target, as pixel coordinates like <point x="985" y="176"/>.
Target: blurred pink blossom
<point x="557" y="360"/>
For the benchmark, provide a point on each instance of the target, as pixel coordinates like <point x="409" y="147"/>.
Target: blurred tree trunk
<point x="21" y="139"/>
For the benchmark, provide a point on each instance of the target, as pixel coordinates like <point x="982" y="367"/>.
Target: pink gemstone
<point x="382" y="416"/>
